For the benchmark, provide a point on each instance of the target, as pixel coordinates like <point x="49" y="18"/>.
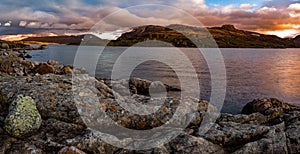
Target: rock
<point x="70" y="150"/>
<point x="28" y="56"/>
<point x="4" y="45"/>
<point x="53" y="62"/>
<point x="23" y="118"/>
<point x="25" y="148"/>
<point x="267" y="105"/>
<point x="91" y="142"/>
<point x="233" y="135"/>
<point x="229" y="27"/>
<point x="65" y="130"/>
<point x="138" y="86"/>
<point x="42" y="47"/>
<point x="293" y="137"/>
<point x="254" y="118"/>
<point x="190" y="144"/>
<point x="67" y="70"/>
<point x="44" y="68"/>
<point x="272" y="108"/>
<point x="272" y="142"/>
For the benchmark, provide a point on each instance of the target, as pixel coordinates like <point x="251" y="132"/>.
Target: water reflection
<point x="251" y="73"/>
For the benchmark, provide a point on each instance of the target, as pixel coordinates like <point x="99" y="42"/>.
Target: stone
<point x="67" y="70"/>
<point x="44" y="68"/>
<point x="70" y="150"/>
<point x="293" y="137"/>
<point x="254" y="118"/>
<point x="233" y="135"/>
<point x="267" y="106"/>
<point x="272" y="108"/>
<point x="267" y="125"/>
<point x="190" y="144"/>
<point x="4" y="45"/>
<point x="272" y="142"/>
<point x="23" y="118"/>
<point x="91" y="142"/>
<point x="53" y="62"/>
<point x="42" y="47"/>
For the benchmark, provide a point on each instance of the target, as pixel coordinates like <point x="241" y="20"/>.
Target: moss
<point x="23" y="118"/>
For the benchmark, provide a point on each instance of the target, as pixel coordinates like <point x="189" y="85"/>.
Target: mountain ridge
<point x="226" y="36"/>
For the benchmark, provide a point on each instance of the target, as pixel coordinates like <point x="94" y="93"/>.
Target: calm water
<point x="251" y="73"/>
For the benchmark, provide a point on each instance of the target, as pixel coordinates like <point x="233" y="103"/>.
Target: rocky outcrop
<point x="63" y="130"/>
<point x="12" y="64"/>
<point x="138" y="86"/>
<point x="70" y="120"/>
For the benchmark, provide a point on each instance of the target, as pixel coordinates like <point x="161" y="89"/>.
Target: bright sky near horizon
<point x="22" y="18"/>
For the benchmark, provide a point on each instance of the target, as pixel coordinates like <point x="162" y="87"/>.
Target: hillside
<point x="297" y="40"/>
<point x="11" y="45"/>
<point x="226" y="36"/>
<point x="68" y="40"/>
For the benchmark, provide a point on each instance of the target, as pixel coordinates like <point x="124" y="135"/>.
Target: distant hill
<point x="11" y="45"/>
<point x="68" y="40"/>
<point x="226" y="36"/>
<point x="297" y="40"/>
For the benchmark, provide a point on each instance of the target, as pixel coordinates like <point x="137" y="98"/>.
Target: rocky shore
<point x="39" y="114"/>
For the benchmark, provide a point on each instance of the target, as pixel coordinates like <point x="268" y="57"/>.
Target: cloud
<point x="23" y="23"/>
<point x="247" y="6"/>
<point x="7" y="24"/>
<point x="79" y="16"/>
<point x="294" y="10"/>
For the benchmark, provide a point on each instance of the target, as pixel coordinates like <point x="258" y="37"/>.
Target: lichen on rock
<point x="23" y="118"/>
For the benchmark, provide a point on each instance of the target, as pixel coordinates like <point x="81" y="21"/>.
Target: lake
<point x="251" y="73"/>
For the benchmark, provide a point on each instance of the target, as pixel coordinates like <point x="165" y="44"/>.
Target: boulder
<point x="272" y="108"/>
<point x="267" y="106"/>
<point x="293" y="137"/>
<point x="190" y="144"/>
<point x="42" y="47"/>
<point x="233" y="135"/>
<point x="254" y="118"/>
<point x="44" y="68"/>
<point x="274" y="141"/>
<point x="70" y="150"/>
<point x="23" y="118"/>
<point x="67" y="70"/>
<point x="4" y="45"/>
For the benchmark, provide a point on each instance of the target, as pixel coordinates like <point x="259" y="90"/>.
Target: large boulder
<point x="272" y="108"/>
<point x="44" y="68"/>
<point x="23" y="118"/>
<point x="274" y="141"/>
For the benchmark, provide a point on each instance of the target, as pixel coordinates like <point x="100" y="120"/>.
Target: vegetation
<point x="226" y="36"/>
<point x="176" y="35"/>
<point x="11" y="45"/>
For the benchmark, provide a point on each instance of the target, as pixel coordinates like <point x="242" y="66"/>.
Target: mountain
<point x="226" y="36"/>
<point x="68" y="40"/>
<point x="297" y="40"/>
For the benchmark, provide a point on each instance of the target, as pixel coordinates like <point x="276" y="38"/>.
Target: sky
<point x="24" y="18"/>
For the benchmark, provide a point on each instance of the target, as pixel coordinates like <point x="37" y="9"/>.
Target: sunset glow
<point x="17" y="21"/>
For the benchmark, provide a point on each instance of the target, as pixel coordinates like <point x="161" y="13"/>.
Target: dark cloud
<point x="69" y="16"/>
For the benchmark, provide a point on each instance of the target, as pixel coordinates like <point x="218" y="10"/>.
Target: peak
<point x="297" y="37"/>
<point x="228" y="27"/>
